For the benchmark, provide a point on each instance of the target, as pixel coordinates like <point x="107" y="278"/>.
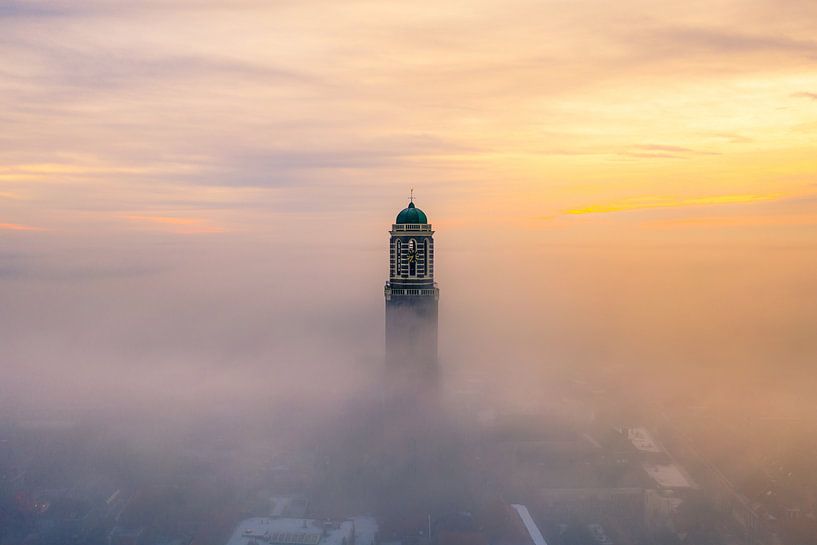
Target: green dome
<point x="412" y="214"/>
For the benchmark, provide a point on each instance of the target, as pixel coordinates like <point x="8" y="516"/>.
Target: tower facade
<point x="411" y="299"/>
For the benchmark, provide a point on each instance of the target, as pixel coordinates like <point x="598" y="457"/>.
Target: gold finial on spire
<point x="411" y="199"/>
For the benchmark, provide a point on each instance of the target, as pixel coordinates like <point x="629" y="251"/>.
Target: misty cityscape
<point x="374" y="273"/>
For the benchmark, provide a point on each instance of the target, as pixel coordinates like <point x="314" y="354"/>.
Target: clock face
<point x="412" y="252"/>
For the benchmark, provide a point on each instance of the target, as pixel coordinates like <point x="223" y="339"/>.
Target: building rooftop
<point x="411" y="214"/>
<point x="668" y="475"/>
<point x="642" y="440"/>
<point x="301" y="531"/>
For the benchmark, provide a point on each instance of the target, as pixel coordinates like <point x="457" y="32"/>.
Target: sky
<point x="212" y="182"/>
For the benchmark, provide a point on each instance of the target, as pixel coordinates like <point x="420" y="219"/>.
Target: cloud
<point x="792" y="210"/>
<point x="19" y="227"/>
<point x="27" y="9"/>
<point x="732" y="138"/>
<point x="812" y="96"/>
<point x="643" y="203"/>
<point x="661" y="151"/>
<point x="752" y="220"/>
<point x="645" y="155"/>
<point x="97" y="69"/>
<point x="33" y="171"/>
<point x="660" y="147"/>
<point x="701" y="39"/>
<point x="187" y="226"/>
<point x="806" y="201"/>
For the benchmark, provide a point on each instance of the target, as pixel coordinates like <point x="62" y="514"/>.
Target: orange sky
<point x="557" y="115"/>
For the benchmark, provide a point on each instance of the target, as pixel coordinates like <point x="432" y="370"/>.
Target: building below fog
<point x="304" y="531"/>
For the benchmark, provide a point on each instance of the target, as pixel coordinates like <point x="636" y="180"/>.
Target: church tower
<point x="411" y="300"/>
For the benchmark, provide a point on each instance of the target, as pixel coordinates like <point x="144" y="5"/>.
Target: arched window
<point x="398" y="257"/>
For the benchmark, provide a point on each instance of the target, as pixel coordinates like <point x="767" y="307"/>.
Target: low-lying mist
<point x="225" y="323"/>
<point x="147" y="361"/>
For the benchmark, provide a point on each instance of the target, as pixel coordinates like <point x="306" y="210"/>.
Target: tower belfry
<point x="411" y="299"/>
